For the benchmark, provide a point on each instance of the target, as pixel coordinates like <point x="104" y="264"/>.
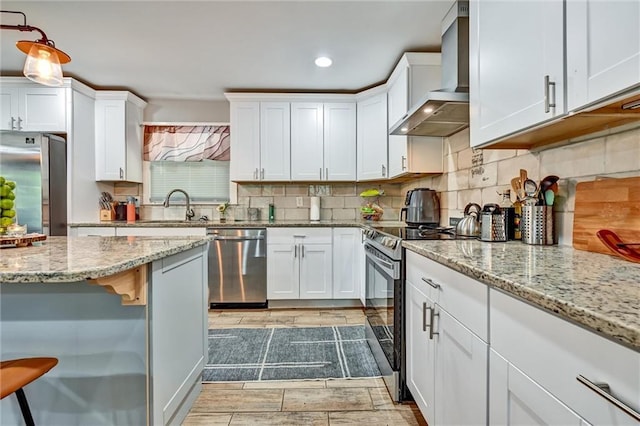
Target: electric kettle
<point x="422" y="207"/>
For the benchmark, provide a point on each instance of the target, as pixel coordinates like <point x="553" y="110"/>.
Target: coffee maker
<point x="422" y="207"/>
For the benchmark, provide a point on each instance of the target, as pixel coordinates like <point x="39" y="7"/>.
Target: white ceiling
<point x="200" y="49"/>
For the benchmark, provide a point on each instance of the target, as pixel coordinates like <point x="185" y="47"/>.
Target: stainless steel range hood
<point x="446" y="111"/>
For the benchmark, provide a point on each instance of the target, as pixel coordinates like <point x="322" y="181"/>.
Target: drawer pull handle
<point x="431" y="283"/>
<point x="603" y="390"/>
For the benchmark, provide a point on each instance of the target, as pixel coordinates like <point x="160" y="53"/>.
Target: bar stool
<point x="17" y="373"/>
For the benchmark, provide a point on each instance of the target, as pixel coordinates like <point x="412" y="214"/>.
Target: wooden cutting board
<point x="606" y="204"/>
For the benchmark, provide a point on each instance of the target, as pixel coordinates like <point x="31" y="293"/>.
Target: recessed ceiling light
<point x="323" y="61"/>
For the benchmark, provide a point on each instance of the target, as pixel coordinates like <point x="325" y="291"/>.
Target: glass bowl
<point x="16" y="230"/>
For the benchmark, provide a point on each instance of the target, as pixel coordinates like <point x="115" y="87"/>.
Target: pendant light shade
<point x="43" y="65"/>
<point x="43" y="59"/>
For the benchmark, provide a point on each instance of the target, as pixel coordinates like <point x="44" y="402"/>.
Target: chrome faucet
<point x="189" y="213"/>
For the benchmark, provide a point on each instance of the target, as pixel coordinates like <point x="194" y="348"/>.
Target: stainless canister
<point x="537" y="225"/>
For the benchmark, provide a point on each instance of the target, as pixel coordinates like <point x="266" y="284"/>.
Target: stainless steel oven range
<point x="384" y="308"/>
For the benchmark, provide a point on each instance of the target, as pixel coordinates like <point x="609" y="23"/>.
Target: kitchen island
<point x="125" y="316"/>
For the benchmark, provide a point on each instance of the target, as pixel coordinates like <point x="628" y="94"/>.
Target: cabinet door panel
<point x="603" y="49"/>
<point x="461" y="373"/>
<point x="43" y="109"/>
<point x="420" y="351"/>
<point x="372" y="138"/>
<point x="110" y="143"/>
<point x="8" y="108"/>
<point x="339" y="142"/>
<point x="511" y="62"/>
<point x="515" y="399"/>
<point x="307" y="141"/>
<point x="315" y="271"/>
<point x="346" y="264"/>
<point x="283" y="269"/>
<point x="275" y="141"/>
<point x="245" y="141"/>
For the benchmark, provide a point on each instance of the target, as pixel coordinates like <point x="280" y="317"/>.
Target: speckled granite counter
<point x="70" y="259"/>
<point x="239" y="224"/>
<point x="599" y="292"/>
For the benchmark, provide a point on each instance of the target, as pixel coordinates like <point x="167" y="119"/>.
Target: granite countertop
<point x="230" y="224"/>
<point x="597" y="291"/>
<point x="70" y="259"/>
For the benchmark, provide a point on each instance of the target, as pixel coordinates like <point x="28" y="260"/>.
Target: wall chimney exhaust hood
<point x="446" y="111"/>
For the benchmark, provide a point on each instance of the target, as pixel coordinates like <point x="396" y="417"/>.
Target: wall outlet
<point x="453" y="221"/>
<point x="299" y="202"/>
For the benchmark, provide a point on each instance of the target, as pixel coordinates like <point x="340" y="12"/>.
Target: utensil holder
<point x="536" y="225"/>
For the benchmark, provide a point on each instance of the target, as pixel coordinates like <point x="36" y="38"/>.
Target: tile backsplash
<point x="481" y="175"/>
<point x="470" y="175"/>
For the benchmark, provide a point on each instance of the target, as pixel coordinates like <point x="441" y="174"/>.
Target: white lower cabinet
<point x="299" y="263"/>
<point x="348" y="268"/>
<point x="515" y="399"/>
<point x="420" y="350"/>
<point x="446" y="359"/>
<point x="556" y="355"/>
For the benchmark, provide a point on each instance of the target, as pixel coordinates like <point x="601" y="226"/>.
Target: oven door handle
<point x="381" y="262"/>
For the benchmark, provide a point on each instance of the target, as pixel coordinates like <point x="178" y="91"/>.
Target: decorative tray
<point x="21" y="240"/>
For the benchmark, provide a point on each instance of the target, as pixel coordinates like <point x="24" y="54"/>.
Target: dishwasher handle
<point x="238" y="238"/>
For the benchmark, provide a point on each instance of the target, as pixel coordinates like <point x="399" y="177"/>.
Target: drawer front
<point x="462" y="297"/>
<point x="299" y="235"/>
<point x="554" y="352"/>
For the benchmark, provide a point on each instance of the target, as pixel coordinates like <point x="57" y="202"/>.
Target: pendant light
<point x="43" y="59"/>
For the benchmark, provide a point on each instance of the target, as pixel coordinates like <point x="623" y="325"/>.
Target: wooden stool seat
<point x="17" y="373"/>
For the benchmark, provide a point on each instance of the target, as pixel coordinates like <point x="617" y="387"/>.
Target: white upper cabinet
<point x="307" y="141"/>
<point x="245" y="141"/>
<point x="414" y="76"/>
<point x="516" y="73"/>
<point x="372" y="137"/>
<point x="340" y="141"/>
<point x="33" y="108"/>
<point x="323" y="141"/>
<point x="603" y="49"/>
<point x="275" y="139"/>
<point x="118" y="116"/>
<point x="260" y="138"/>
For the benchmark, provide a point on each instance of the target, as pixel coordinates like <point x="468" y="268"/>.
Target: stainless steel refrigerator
<point x="38" y="164"/>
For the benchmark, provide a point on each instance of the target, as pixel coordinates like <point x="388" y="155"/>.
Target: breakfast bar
<point x="125" y="317"/>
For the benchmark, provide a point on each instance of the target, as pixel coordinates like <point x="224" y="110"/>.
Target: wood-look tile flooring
<point x="306" y="402"/>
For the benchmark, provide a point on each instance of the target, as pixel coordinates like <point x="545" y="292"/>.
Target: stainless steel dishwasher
<point x="238" y="267"/>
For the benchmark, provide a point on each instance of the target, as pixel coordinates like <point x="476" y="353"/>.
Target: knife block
<point x="107" y="215"/>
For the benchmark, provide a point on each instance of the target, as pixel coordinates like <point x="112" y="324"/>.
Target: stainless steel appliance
<point x="446" y="111"/>
<point x="422" y="207"/>
<point x="384" y="307"/>
<point x="238" y="267"/>
<point x="38" y="164"/>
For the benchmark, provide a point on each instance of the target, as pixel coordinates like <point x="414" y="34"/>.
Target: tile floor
<point x="309" y="402"/>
